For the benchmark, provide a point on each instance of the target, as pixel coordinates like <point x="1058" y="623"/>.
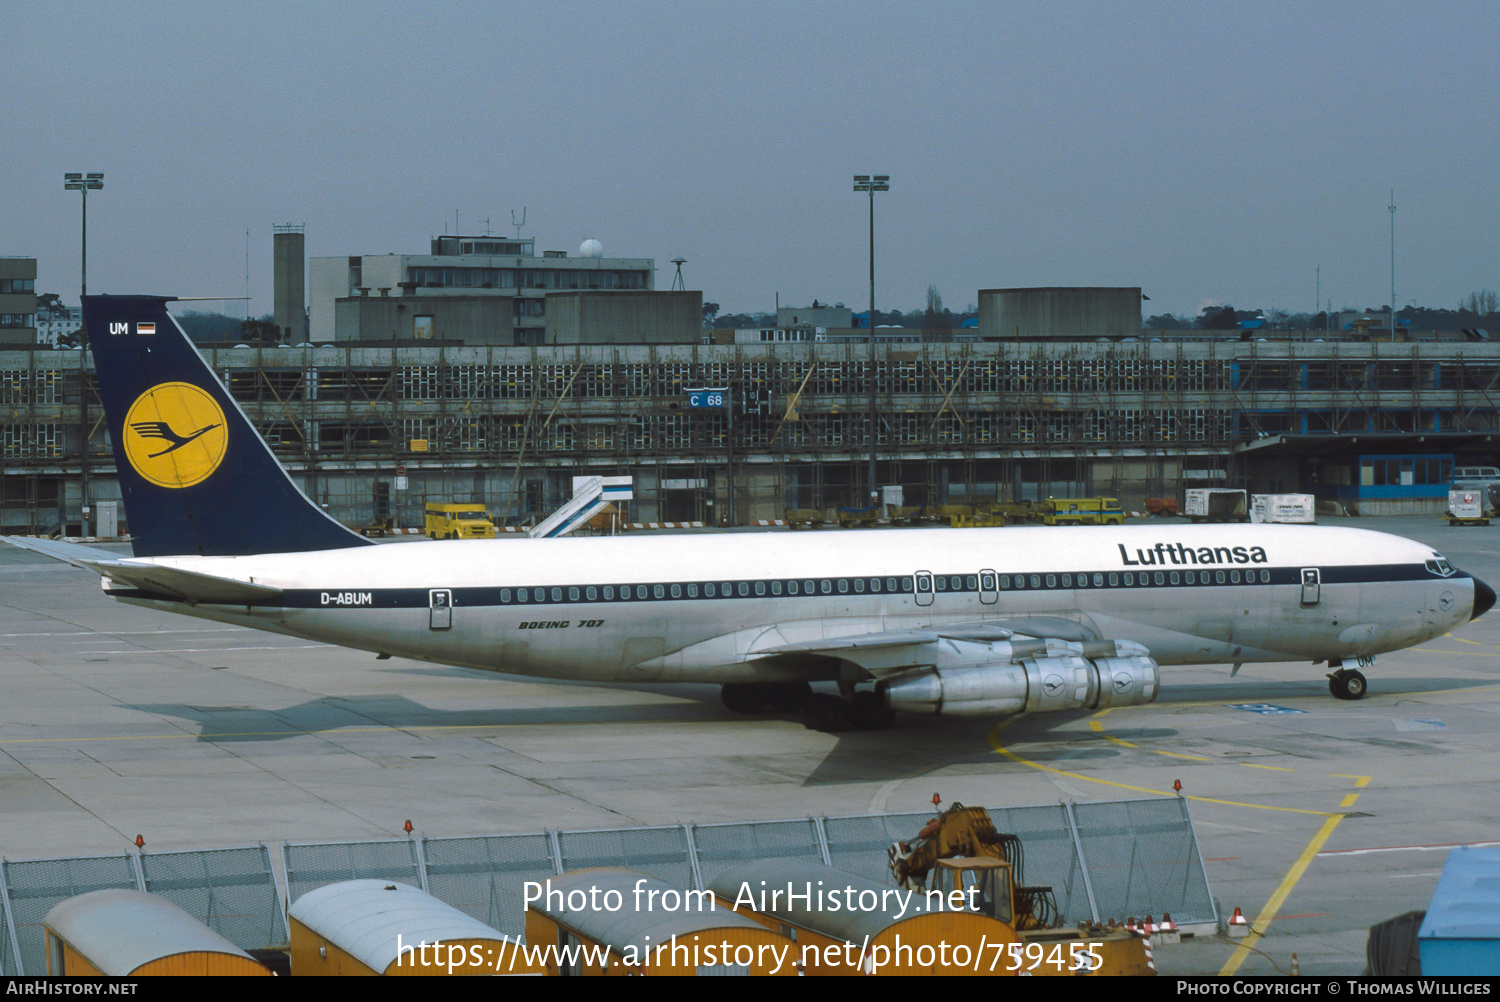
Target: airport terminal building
<point x="370" y="429"/>
<point x="493" y="290"/>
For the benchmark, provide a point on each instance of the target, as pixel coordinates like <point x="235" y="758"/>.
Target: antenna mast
<point x="677" y="283"/>
<point x="516" y="224"/>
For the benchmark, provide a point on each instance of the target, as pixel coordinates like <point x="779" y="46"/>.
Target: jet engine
<point x="1032" y="676"/>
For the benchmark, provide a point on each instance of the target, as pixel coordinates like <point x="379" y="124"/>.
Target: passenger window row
<point x="1132" y="579"/>
<point x="710" y="589"/>
<point x="872" y="586"/>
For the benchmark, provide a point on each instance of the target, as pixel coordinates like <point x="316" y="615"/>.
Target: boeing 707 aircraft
<point x="950" y="621"/>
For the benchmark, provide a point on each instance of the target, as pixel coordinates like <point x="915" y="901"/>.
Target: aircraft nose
<point x="1484" y="599"/>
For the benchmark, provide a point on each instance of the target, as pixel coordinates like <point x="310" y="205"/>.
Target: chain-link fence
<point x="1134" y="850"/>
<point x="484" y="876"/>
<point x="1102" y="860"/>
<point x="232" y="891"/>
<point x="33" y="887"/>
<point x="722" y="846"/>
<point x="661" y="852"/>
<point x="310" y="865"/>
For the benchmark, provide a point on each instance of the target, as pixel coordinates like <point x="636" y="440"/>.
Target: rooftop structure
<point x="1059" y="311"/>
<point x="474" y="267"/>
<point x="17" y="300"/>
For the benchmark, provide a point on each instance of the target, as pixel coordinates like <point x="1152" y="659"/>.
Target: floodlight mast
<point x="872" y="184"/>
<point x="83" y="184"/>
<point x="1393" y="264"/>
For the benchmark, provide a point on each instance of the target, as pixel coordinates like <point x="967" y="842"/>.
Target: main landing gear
<point x="1346" y="683"/>
<point x="861" y="710"/>
<point x="758" y="697"/>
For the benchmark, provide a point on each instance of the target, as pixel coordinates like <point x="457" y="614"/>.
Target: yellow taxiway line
<point x="1288" y="882"/>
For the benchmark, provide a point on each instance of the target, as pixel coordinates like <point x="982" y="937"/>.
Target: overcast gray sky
<point x="1207" y="152"/>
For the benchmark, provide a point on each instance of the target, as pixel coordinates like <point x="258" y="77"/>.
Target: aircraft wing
<point x="882" y="652"/>
<point x="167" y="582"/>
<point x="890" y="652"/>
<point x="890" y="638"/>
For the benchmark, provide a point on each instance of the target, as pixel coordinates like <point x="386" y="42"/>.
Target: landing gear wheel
<point x="868" y="712"/>
<point x="787" y="697"/>
<point x="823" y="712"/>
<point x="743" y="697"/>
<point x="1346" y="683"/>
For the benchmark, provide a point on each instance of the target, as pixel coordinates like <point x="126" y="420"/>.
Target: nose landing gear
<point x="1346" y="683"/>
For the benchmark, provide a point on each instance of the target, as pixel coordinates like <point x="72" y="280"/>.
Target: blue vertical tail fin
<point x="195" y="476"/>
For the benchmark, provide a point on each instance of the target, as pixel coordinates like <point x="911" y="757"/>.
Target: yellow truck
<point x="1082" y="511"/>
<point x="459" y="521"/>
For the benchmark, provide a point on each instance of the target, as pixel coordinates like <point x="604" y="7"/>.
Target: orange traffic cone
<point x="1238" y="927"/>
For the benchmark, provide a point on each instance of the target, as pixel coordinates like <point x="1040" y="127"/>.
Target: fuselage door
<point x="440" y="609"/>
<point x="1311" y="586"/>
<point x="924" y="587"/>
<point x="987" y="587"/>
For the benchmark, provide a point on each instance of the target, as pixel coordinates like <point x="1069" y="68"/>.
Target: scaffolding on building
<point x="960" y="422"/>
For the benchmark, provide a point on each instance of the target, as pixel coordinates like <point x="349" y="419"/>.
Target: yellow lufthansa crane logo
<point x="175" y="435"/>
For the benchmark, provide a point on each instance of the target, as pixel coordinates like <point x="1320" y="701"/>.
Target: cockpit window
<point x="1439" y="565"/>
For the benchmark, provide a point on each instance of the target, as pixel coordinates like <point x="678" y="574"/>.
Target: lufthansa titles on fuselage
<point x="1176" y="553"/>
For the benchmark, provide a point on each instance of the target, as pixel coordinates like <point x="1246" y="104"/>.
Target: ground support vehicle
<point x="960" y="850"/>
<point x="1467" y="507"/>
<point x="1082" y="511"/>
<point x="1215" y="504"/>
<point x="1017" y="512"/>
<point x="980" y="517"/>
<point x="458" y="521"/>
<point x="906" y="514"/>
<point x="1284" y="509"/>
<point x="861" y="518"/>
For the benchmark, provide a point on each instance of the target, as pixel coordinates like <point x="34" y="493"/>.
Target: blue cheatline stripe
<point x="841" y="588"/>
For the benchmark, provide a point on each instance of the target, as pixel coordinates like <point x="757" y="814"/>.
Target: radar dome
<point x="591" y="248"/>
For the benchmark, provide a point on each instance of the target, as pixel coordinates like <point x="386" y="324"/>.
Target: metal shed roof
<point x="776" y="874"/>
<point x="120" y="931"/>
<point x="628" y="928"/>
<point x="1466" y="904"/>
<point x="363" y="918"/>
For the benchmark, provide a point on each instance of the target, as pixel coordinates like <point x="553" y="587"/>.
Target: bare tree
<point x="1483" y="302"/>
<point x="934" y="321"/>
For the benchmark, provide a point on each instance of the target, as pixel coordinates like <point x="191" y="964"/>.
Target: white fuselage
<point x="1190" y="594"/>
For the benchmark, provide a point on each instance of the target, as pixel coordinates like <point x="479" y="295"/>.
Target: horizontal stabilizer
<point x="168" y="582"/>
<point x="186" y="586"/>
<point x="71" y="553"/>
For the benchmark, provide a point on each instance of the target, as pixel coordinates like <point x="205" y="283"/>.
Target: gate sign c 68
<point x="717" y="397"/>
